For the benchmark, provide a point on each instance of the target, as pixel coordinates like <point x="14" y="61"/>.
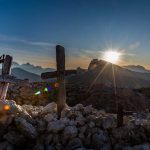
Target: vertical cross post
<point x="60" y="73"/>
<point x="6" y="70"/>
<point x="60" y="58"/>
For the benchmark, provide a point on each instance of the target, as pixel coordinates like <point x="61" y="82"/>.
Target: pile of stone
<point x="29" y="127"/>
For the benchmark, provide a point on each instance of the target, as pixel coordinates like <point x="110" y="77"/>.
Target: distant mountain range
<point x="31" y="68"/>
<point x="102" y="72"/>
<point x="125" y="77"/>
<point x="23" y="74"/>
<point x="137" y="68"/>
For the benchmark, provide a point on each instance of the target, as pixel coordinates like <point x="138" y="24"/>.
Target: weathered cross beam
<point x="60" y="74"/>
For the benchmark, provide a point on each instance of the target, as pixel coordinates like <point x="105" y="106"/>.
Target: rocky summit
<point x="30" y="127"/>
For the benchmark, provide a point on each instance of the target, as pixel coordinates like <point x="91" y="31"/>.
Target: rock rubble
<point x="79" y="128"/>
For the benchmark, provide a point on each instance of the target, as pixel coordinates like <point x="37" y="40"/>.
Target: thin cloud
<point x="134" y="45"/>
<point x="35" y="43"/>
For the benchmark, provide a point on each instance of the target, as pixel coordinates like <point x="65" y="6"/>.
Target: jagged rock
<point x="88" y="110"/>
<point x="56" y="139"/>
<point x="48" y="139"/>
<point x="77" y="128"/>
<point x="83" y="129"/>
<point x="95" y="130"/>
<point x="75" y="143"/>
<point x="41" y="125"/>
<point x="15" y="138"/>
<point x="91" y="124"/>
<point x="55" y="126"/>
<point x="70" y="132"/>
<point x="14" y="110"/>
<point x="26" y="128"/>
<point x="59" y="146"/>
<point x="80" y="121"/>
<point x="50" y="108"/>
<point x="98" y="140"/>
<point x="106" y="147"/>
<point x="127" y="148"/>
<point x="13" y="107"/>
<point x="93" y="64"/>
<point x="50" y="147"/>
<point x="39" y="147"/>
<point x="120" y="145"/>
<point x="121" y="133"/>
<point x="78" y="107"/>
<point x="146" y="126"/>
<point x="81" y="136"/>
<point x="6" y="146"/>
<point x="66" y="121"/>
<point x="49" y="117"/>
<point x="108" y="123"/>
<point x="87" y="140"/>
<point x="65" y="112"/>
<point x="145" y="146"/>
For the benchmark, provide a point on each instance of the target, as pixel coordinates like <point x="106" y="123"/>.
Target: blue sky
<point x="30" y="29"/>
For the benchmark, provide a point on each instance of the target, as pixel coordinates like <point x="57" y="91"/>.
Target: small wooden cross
<point x="60" y="74"/>
<point x="5" y="77"/>
<point x="6" y="71"/>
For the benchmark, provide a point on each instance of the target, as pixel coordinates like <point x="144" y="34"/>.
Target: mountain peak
<point x="97" y="63"/>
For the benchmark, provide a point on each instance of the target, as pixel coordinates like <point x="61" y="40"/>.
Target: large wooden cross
<point x="60" y="74"/>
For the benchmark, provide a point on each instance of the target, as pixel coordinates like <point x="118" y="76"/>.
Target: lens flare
<point x="6" y="107"/>
<point x="45" y="89"/>
<point x="37" y="93"/>
<point x="56" y="85"/>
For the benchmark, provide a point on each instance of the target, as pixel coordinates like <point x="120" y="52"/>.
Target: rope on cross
<point x="60" y="74"/>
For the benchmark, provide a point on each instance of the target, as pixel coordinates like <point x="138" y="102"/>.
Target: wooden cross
<point x="6" y="71"/>
<point x="5" y="77"/>
<point x="60" y="74"/>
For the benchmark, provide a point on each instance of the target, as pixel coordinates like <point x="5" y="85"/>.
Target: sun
<point x="111" y="56"/>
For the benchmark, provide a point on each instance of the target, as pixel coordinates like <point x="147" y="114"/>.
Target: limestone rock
<point x="88" y="109"/>
<point x="50" y="147"/>
<point x="49" y="117"/>
<point x="98" y="140"/>
<point x="50" y="108"/>
<point x="55" y="126"/>
<point x="26" y="128"/>
<point x="6" y="146"/>
<point x="70" y="132"/>
<point x="78" y="107"/>
<point x="145" y="146"/>
<point x="15" y="138"/>
<point x="41" y="125"/>
<point x="75" y="143"/>
<point x="39" y="147"/>
<point x="108" y="123"/>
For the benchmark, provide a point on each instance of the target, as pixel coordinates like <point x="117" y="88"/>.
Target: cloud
<point x="35" y="43"/>
<point x="134" y="45"/>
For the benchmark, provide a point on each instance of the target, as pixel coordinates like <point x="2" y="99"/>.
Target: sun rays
<point x="111" y="56"/>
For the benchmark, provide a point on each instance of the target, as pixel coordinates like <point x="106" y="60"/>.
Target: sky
<point x="30" y="30"/>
